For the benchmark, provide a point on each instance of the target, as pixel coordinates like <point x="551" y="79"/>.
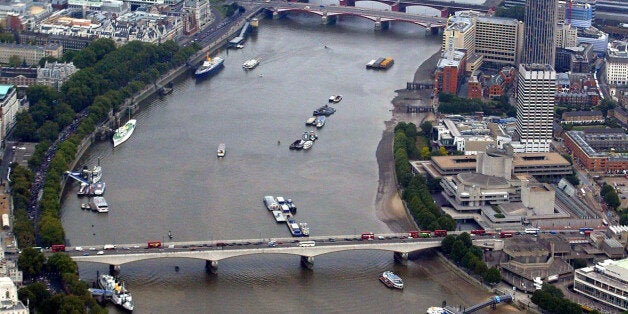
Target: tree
<point x="425" y="153"/>
<point x="447" y="243"/>
<point x="72" y="304"/>
<point x="466" y="239"/>
<point x="492" y="275"/>
<point x="31" y="261"/>
<point x="426" y="128"/>
<point x="579" y="263"/>
<point x="442" y="151"/>
<point x="61" y="263"/>
<point x="573" y="179"/>
<point x="623" y="218"/>
<point x="516" y="12"/>
<point x="15" y="61"/>
<point x="34" y="294"/>
<point x="458" y="251"/>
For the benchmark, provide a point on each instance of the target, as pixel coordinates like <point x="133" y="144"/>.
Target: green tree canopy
<point x="31" y="261"/>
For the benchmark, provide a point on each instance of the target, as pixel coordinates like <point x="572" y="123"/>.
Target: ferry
<point x="222" y="150"/>
<point x="271" y="203"/>
<point x="311" y="121"/>
<point x="122" y="298"/>
<point x="124" y="132"/>
<point x="320" y="121"/>
<point x="279" y="217"/>
<point x="305" y="229"/>
<point x="209" y="67"/>
<point x="99" y="204"/>
<point x="335" y="98"/>
<point x="250" y="64"/>
<point x="391" y="280"/>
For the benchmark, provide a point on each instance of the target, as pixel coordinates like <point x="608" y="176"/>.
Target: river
<point x="167" y="177"/>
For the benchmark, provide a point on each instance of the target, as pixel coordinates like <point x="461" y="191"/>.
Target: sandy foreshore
<point x="389" y="207"/>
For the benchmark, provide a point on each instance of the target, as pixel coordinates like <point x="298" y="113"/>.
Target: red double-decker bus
<point x="154" y="244"/>
<point x="58" y="247"/>
<point x="478" y="231"/>
<point x="440" y="233"/>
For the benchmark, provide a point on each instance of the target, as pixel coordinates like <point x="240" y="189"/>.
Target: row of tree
<point x="500" y="106"/>
<point x="462" y="251"/>
<point x="553" y="300"/>
<point x="610" y="197"/>
<point x="416" y="193"/>
<point x="109" y="75"/>
<point x="37" y="295"/>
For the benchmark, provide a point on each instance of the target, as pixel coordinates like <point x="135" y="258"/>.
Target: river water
<point x="167" y="176"/>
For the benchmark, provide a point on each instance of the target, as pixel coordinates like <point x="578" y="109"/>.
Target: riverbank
<point x="390" y="209"/>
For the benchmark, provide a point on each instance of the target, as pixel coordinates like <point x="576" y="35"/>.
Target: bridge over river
<point x="214" y="251"/>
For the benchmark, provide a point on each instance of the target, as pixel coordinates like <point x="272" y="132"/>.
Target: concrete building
<point x="10" y="107"/>
<point x="499" y="40"/>
<point x="606" y="282"/>
<point x="536" y="89"/>
<point x="595" y="37"/>
<point x="579" y="15"/>
<point x="26" y="53"/>
<point x="459" y="34"/>
<point x="539" y="32"/>
<point x="9" y="302"/>
<point x="617" y="63"/>
<point x="450" y="70"/>
<point x="566" y="36"/>
<point x="54" y="74"/>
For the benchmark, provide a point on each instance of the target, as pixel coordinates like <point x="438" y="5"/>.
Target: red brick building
<point x="590" y="158"/>
<point x="474" y="89"/>
<point x="450" y="71"/>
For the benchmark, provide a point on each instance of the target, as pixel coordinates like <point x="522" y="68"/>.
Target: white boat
<point x="391" y="280"/>
<point x="436" y="310"/>
<point x="279" y="217"/>
<point x="308" y="144"/>
<point x="271" y="203"/>
<point x="335" y="98"/>
<point x="124" y="132"/>
<point x="99" y="188"/>
<point x="222" y="150"/>
<point x="311" y="121"/>
<point x="250" y="64"/>
<point x="305" y="229"/>
<point x="320" y="121"/>
<point x="107" y="282"/>
<point x="99" y="204"/>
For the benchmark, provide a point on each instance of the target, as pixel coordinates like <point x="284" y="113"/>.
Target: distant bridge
<point x="214" y="251"/>
<point x="382" y="18"/>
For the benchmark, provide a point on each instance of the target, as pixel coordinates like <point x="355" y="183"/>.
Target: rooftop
<point x="482" y="180"/>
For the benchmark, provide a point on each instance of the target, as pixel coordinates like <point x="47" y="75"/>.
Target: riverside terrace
<point x="213" y="251"/>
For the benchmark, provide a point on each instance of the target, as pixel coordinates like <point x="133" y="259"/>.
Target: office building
<point x="459" y="33"/>
<point x="536" y="91"/>
<point x="617" y="63"/>
<point x="499" y="40"/>
<point x="606" y="282"/>
<point x="10" y="105"/>
<point x="9" y="302"/>
<point x="539" y="32"/>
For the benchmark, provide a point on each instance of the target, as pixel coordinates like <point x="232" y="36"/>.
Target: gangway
<point x="492" y="302"/>
<point x="78" y="176"/>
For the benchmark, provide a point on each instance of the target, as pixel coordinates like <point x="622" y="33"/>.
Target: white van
<point x="307" y="243"/>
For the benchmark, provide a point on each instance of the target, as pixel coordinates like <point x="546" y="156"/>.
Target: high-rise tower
<point x="539" y="32"/>
<point x="536" y="89"/>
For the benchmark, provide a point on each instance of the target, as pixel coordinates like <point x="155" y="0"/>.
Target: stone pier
<point x="328" y="19"/>
<point x="307" y="262"/>
<point x="401" y="258"/>
<point x="211" y="266"/>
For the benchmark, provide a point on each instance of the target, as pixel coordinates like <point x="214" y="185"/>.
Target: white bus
<point x="307" y="243"/>
<point x="532" y="230"/>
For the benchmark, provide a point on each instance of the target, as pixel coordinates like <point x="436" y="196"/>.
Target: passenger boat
<point x="99" y="188"/>
<point x="391" y="280"/>
<point x="294" y="228"/>
<point x="250" y="64"/>
<point x="122" y="298"/>
<point x="124" y="132"/>
<point x="335" y="98"/>
<point x="291" y="206"/>
<point x="279" y="217"/>
<point x="297" y="145"/>
<point x="209" y="67"/>
<point x="305" y="229"/>
<point x="222" y="150"/>
<point x="99" y="204"/>
<point x="320" y="121"/>
<point x="310" y="121"/>
<point x="307" y="145"/>
<point x="271" y="203"/>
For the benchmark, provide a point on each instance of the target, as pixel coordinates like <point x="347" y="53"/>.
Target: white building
<point x="606" y="282"/>
<point x="499" y="40"/>
<point x="54" y="74"/>
<point x="617" y="63"/>
<point x="536" y="89"/>
<point x="9" y="302"/>
<point x="10" y="106"/>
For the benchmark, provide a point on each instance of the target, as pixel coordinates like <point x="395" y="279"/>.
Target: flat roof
<point x="4" y="90"/>
<point x="519" y="160"/>
<point x="454" y="161"/>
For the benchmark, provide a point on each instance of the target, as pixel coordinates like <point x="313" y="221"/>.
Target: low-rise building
<point x="21" y="76"/>
<point x="592" y="148"/>
<point x="583" y="117"/>
<point x="617" y="63"/>
<point x="54" y="74"/>
<point x="606" y="282"/>
<point x="620" y="115"/>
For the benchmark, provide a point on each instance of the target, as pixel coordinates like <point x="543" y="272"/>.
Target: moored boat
<point x="311" y="121"/>
<point x="99" y="188"/>
<point x="307" y="145"/>
<point x="250" y="64"/>
<point x="320" y="121"/>
<point x="209" y="67"/>
<point x="437" y="310"/>
<point x="99" y="204"/>
<point x="294" y="228"/>
<point x="335" y="98"/>
<point x="271" y="203"/>
<point x="391" y="280"/>
<point x="325" y="110"/>
<point x="222" y="150"/>
<point x="124" y="132"/>
<point x="305" y="229"/>
<point x="297" y="145"/>
<point x="291" y="206"/>
<point x="279" y="217"/>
